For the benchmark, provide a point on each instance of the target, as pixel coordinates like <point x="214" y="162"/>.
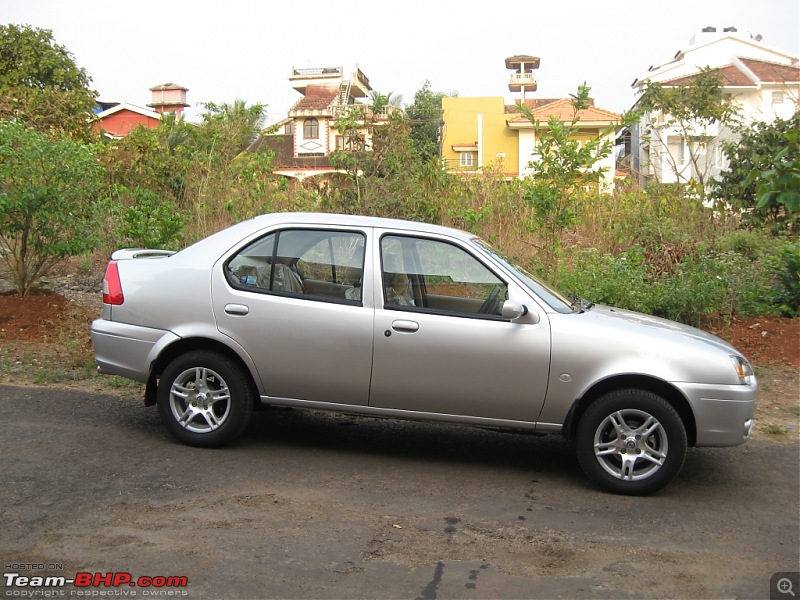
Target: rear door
<point x="293" y="300"/>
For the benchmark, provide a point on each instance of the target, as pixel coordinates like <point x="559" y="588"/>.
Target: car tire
<point x="204" y="399"/>
<point x="631" y="442"/>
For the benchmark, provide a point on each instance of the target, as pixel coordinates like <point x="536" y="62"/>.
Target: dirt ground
<point x="44" y="339"/>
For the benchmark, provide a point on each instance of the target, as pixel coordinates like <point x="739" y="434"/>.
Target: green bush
<point x="713" y="285"/>
<point x="787" y="281"/>
<point x="621" y="281"/>
<point x="147" y="221"/>
<point x="47" y="190"/>
<point x="711" y="282"/>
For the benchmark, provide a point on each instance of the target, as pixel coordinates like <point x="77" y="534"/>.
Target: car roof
<point x="312" y="218"/>
<point x="224" y="239"/>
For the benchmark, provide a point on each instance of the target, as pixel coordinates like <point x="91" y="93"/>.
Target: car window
<point x="316" y="264"/>
<point x="421" y="273"/>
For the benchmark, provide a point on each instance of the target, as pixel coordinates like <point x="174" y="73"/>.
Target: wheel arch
<point x="642" y="382"/>
<point x="188" y="344"/>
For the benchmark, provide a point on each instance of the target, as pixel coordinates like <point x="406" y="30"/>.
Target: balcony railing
<point x="523" y="79"/>
<point x="367" y="111"/>
<point x="303" y="162"/>
<point x="314" y="71"/>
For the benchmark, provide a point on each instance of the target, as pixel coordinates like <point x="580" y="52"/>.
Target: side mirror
<point x="513" y="310"/>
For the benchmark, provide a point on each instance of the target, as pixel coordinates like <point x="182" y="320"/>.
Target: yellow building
<point x="476" y="135"/>
<point x="485" y="133"/>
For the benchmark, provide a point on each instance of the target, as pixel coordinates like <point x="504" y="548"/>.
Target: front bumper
<point x="724" y="414"/>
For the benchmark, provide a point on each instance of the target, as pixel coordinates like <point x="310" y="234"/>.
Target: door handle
<point x="237" y="310"/>
<point x="405" y="326"/>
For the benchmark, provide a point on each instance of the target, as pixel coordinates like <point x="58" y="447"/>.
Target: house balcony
<point x="368" y="113"/>
<point x="302" y="78"/>
<point x="520" y="80"/>
<point x="310" y="163"/>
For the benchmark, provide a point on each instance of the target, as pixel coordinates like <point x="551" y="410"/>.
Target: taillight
<point x="112" y="286"/>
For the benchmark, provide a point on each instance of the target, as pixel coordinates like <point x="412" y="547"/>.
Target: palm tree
<point x="380" y="101"/>
<point x="236" y="125"/>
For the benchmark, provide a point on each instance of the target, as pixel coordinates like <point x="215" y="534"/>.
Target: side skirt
<point x="369" y="411"/>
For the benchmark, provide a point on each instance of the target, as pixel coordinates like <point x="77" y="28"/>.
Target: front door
<point x="441" y="345"/>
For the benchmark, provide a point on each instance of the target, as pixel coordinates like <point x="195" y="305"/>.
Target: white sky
<point x="229" y="49"/>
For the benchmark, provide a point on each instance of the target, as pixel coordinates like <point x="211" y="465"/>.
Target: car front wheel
<point x="204" y="399"/>
<point x="631" y="442"/>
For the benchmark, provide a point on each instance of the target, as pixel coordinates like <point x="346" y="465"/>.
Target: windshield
<point x="554" y="299"/>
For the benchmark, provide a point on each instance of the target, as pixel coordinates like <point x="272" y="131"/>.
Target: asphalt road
<point x="312" y="505"/>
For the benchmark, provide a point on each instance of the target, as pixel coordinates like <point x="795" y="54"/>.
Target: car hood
<point x="620" y="319"/>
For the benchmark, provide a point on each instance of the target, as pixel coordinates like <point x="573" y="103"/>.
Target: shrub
<point x="621" y="281"/>
<point x="47" y="189"/>
<point x="151" y="222"/>
<point x="787" y="281"/>
<point x="708" y="284"/>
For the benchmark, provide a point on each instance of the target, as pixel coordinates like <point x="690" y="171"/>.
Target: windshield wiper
<point x="580" y="304"/>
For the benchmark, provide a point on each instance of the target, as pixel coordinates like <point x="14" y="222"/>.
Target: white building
<point x="764" y="81"/>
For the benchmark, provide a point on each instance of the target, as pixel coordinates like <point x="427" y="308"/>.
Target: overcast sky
<point x="229" y="49"/>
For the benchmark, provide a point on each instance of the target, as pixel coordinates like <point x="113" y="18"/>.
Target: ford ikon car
<point x="391" y="318"/>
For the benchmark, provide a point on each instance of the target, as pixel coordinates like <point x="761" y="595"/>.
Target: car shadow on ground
<point x="289" y="428"/>
<point x="288" y="431"/>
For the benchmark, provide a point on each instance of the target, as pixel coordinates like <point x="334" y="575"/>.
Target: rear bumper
<point x="127" y="350"/>
<point x="724" y="414"/>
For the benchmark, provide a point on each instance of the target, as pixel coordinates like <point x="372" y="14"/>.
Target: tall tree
<point x="41" y="84"/>
<point x="425" y="118"/>
<point x="380" y="101"/>
<point x="564" y="168"/>
<point x="383" y="173"/>
<point x="697" y="113"/>
<point x="229" y="129"/>
<point x="762" y="148"/>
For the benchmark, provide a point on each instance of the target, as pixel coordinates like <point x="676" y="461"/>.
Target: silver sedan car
<point x="390" y="318"/>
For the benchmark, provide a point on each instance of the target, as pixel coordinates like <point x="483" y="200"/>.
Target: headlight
<point x="743" y="370"/>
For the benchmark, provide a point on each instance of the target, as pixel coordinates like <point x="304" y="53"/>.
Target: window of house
<point x="313" y="264"/>
<point x="777" y="97"/>
<point x="467" y="159"/>
<point x="676" y="147"/>
<point x="719" y="156"/>
<point x="311" y="129"/>
<point x="349" y="141"/>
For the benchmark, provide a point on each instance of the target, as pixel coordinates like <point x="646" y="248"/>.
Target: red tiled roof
<point x="530" y="103"/>
<point x="772" y="72"/>
<point x="317" y="97"/>
<point x="733" y="76"/>
<point x="563" y="110"/>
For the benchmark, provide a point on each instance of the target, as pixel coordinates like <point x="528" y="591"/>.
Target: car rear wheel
<point x="204" y="399"/>
<point x="631" y="442"/>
